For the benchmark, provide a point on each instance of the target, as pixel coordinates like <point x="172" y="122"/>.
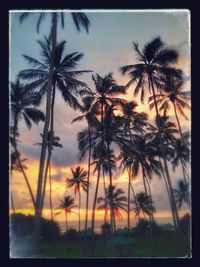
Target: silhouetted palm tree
<point x="119" y="202"/>
<point x="174" y="95"/>
<point x="167" y="130"/>
<point x="144" y="204"/>
<point x="78" y="181"/>
<point x="100" y="160"/>
<point x="66" y="205"/>
<point x="23" y="106"/>
<point x="133" y="121"/>
<point x="89" y="116"/>
<point x="182" y="193"/>
<point x="106" y="90"/>
<point x="155" y="61"/>
<point x="80" y="20"/>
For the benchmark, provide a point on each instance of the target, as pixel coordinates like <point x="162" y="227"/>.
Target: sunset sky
<point x="107" y="47"/>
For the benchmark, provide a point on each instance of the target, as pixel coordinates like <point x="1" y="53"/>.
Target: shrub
<point x="185" y="224"/>
<point x="21" y="226"/>
<point x="71" y="234"/>
<point x="143" y="228"/>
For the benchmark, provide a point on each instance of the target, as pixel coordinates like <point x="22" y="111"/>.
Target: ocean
<point x="98" y="223"/>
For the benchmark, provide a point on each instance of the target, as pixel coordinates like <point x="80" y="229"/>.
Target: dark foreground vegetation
<point x="138" y="242"/>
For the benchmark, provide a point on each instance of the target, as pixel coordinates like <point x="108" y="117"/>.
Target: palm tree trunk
<point x="95" y="199"/>
<point x="37" y="222"/>
<point x="111" y="197"/>
<point x="129" y="197"/>
<point x="168" y="192"/>
<point x="178" y="122"/>
<point x="49" y="146"/>
<point x="12" y="204"/>
<point x="50" y="192"/>
<point x="19" y="163"/>
<point x="181" y="135"/>
<point x="66" y="222"/>
<point x="135" y="199"/>
<point x="174" y="208"/>
<point x="79" y="215"/>
<point x="45" y="180"/>
<point x="104" y="184"/>
<point x="88" y="179"/>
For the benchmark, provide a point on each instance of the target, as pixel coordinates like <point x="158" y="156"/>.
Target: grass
<point x="168" y="247"/>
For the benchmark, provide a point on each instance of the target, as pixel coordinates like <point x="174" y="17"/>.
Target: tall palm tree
<point x="80" y="20"/>
<point x="78" y="181"/>
<point x="23" y="106"/>
<point x="110" y="132"/>
<point x="135" y="121"/>
<point x="144" y="204"/>
<point x="155" y="60"/>
<point x="64" y="79"/>
<point x="100" y="160"/>
<point x="89" y="116"/>
<point x="119" y="201"/>
<point x="67" y="205"/>
<point x="182" y="193"/>
<point x="106" y="92"/>
<point x="167" y="130"/>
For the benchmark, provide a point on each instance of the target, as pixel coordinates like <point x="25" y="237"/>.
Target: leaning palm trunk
<point x="95" y="199"/>
<point x="135" y="200"/>
<point x="45" y="179"/>
<point x="104" y="184"/>
<point x="49" y="148"/>
<point x="174" y="208"/>
<point x="50" y="192"/>
<point x="36" y="229"/>
<point x="79" y="214"/>
<point x="110" y="193"/>
<point x="20" y="165"/>
<point x="88" y="178"/>
<point x="129" y="197"/>
<point x="181" y="135"/>
<point x="168" y="192"/>
<point x="12" y="204"/>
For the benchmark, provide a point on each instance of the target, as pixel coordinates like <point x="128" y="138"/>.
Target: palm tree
<point x="23" y="106"/>
<point x="182" y="193"/>
<point x="136" y="121"/>
<point x="89" y="116"/>
<point x="78" y="181"/>
<point x="100" y="160"/>
<point x="144" y="204"/>
<point x="155" y="61"/>
<point x="174" y="95"/>
<point x="106" y="90"/>
<point x="80" y="20"/>
<point x="119" y="202"/>
<point x="167" y="130"/>
<point x="66" y="205"/>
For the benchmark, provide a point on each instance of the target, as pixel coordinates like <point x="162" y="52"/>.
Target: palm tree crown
<point x="64" y="74"/>
<point x="154" y="61"/>
<point x="78" y="181"/>
<point x="119" y="200"/>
